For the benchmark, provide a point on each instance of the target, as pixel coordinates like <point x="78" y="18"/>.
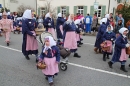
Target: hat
<point x="121" y="31"/>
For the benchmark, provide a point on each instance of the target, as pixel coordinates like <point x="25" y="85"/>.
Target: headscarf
<point x="47" y="15"/>
<point x="109" y="26"/>
<point x="103" y="20"/>
<point x="0" y="14"/>
<point x="107" y="16"/>
<point x="59" y="15"/>
<point x="27" y="14"/>
<point x="8" y="13"/>
<point x="69" y="19"/>
<point x="121" y="31"/>
<point x="52" y="43"/>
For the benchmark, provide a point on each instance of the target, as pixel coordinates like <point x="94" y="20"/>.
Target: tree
<point x="125" y="11"/>
<point x="48" y="7"/>
<point x="4" y="9"/>
<point x="22" y="8"/>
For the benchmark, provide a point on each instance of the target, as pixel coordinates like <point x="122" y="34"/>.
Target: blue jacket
<point x="28" y="25"/>
<point x="47" y="21"/>
<point x="120" y="43"/>
<point x="60" y="21"/>
<point x="99" y="38"/>
<point x="55" y="51"/>
<point x="109" y="36"/>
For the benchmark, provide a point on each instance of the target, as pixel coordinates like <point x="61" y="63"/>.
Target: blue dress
<point x="28" y="25"/>
<point x="99" y="38"/>
<point x="120" y="43"/>
<point x="60" y="21"/>
<point x="48" y="20"/>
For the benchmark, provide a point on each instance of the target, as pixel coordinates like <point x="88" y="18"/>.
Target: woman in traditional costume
<point x="120" y="55"/>
<point x="59" y="26"/>
<point x="99" y="38"/>
<point x="7" y="26"/>
<point x="49" y="24"/>
<point x="30" y="45"/>
<point x="70" y="40"/>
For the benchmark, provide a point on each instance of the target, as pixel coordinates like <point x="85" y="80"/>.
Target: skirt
<point x="52" y="66"/>
<point x="31" y="43"/>
<point x="123" y="56"/>
<point x="78" y="37"/>
<point x="70" y="41"/>
<point x="52" y="31"/>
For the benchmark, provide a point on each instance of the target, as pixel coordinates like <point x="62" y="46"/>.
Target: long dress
<point x="51" y="59"/>
<point x="50" y="28"/>
<point x="29" y="45"/>
<point x="99" y="38"/>
<point x="8" y="25"/>
<point x="69" y="37"/>
<point x="59" y="27"/>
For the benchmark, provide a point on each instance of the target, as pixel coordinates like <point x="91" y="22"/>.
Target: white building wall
<point x="88" y="3"/>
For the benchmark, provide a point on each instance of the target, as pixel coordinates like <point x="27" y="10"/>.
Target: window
<point x="99" y="11"/>
<point x="42" y="11"/>
<point x="80" y="9"/>
<point x="63" y="10"/>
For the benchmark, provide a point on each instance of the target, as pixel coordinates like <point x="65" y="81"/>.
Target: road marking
<point x="81" y="66"/>
<point x="88" y="43"/>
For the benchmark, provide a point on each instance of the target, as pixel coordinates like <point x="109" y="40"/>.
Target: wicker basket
<point x="18" y="28"/>
<point x="39" y="31"/>
<point x="104" y="48"/>
<point x="128" y="50"/>
<point x="81" y="33"/>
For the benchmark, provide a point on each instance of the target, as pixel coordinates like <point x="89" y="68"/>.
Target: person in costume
<point x="120" y="55"/>
<point x="118" y="27"/>
<point x="69" y="37"/>
<point x="88" y="22"/>
<point x="7" y="26"/>
<point x="109" y="37"/>
<point x="59" y="26"/>
<point x="49" y="24"/>
<point x="99" y="38"/>
<point x="78" y="30"/>
<point x="29" y="45"/>
<point x="51" y="56"/>
<point x="19" y="25"/>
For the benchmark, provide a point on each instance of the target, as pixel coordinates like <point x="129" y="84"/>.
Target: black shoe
<point x="81" y="43"/>
<point x="36" y="60"/>
<point x="81" y="39"/>
<point x="104" y="57"/>
<point x="129" y="56"/>
<point x="7" y="44"/>
<point x="129" y="65"/>
<point x="51" y="84"/>
<point x="76" y="55"/>
<point x="108" y="57"/>
<point x="78" y="45"/>
<point x="110" y="64"/>
<point x="46" y="78"/>
<point x="123" y="68"/>
<point x="27" y="57"/>
<point x="14" y="32"/>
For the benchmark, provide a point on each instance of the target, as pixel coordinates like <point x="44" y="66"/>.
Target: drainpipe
<point x="36" y="6"/>
<point x="108" y="6"/>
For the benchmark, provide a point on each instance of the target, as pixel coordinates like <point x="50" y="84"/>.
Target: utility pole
<point x="108" y="6"/>
<point x="36" y="6"/>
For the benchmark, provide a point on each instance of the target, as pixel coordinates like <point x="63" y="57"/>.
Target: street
<point x="89" y="70"/>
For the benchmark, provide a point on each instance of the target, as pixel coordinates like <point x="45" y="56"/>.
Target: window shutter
<point x="85" y="11"/>
<point x="75" y="10"/>
<point x="103" y="11"/>
<point x="58" y="10"/>
<point x="67" y="9"/>
<point x="91" y="10"/>
<point x="39" y="11"/>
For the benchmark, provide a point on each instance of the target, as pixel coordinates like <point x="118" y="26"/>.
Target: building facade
<point x="79" y="6"/>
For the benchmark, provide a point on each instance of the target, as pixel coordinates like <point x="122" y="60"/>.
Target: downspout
<point x="108" y="6"/>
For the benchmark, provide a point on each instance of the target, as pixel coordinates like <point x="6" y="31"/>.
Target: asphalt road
<point x="89" y="70"/>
